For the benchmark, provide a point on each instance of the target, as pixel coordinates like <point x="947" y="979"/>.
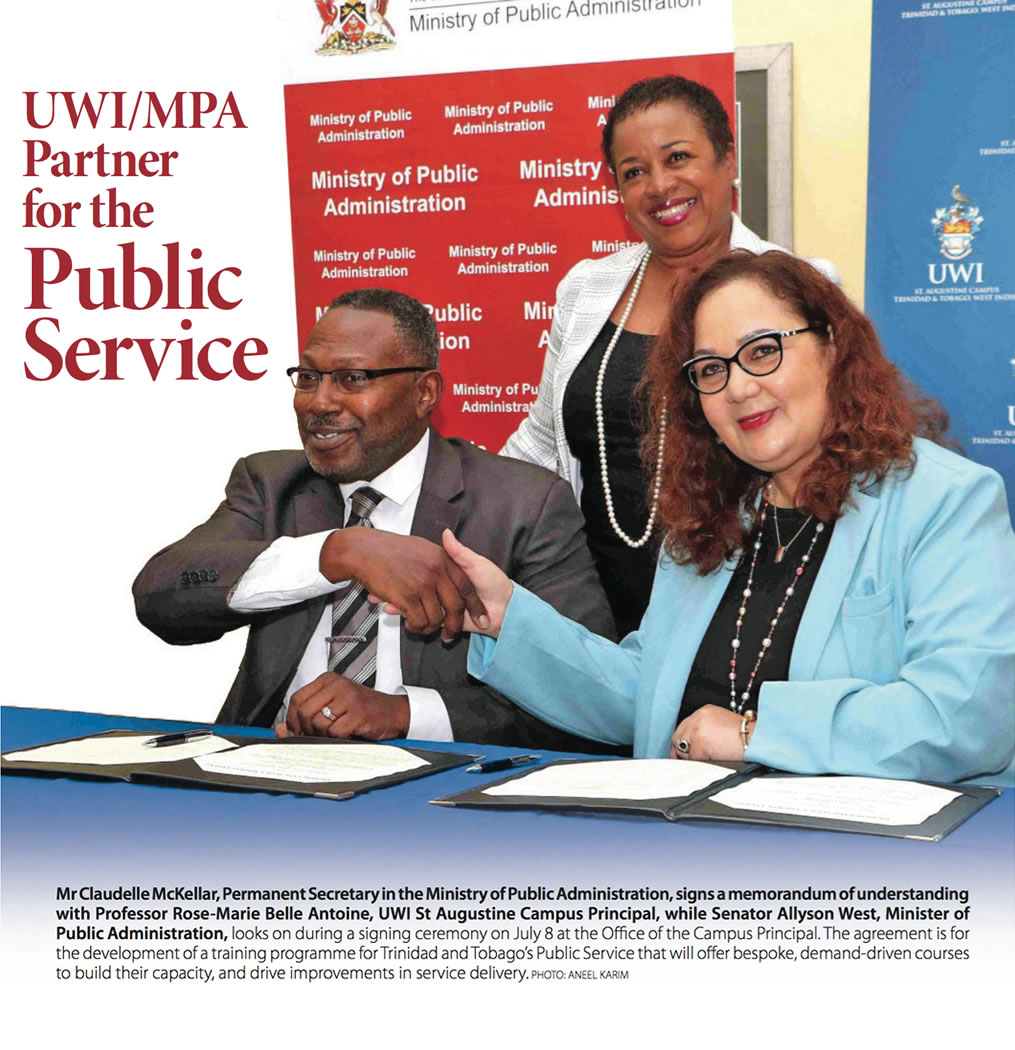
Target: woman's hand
<point x="711" y="733"/>
<point x="493" y="587"/>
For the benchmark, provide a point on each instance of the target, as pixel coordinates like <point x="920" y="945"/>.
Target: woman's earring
<point x="736" y="183"/>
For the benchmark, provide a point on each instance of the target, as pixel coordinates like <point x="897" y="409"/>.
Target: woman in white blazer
<point x="668" y="142"/>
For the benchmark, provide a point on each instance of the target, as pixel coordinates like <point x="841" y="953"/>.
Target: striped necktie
<point x="352" y="647"/>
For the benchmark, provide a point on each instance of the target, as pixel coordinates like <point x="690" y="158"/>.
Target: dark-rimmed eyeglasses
<point x="348" y="380"/>
<point x="761" y="355"/>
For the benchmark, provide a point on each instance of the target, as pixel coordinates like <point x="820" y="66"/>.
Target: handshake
<point x="431" y="588"/>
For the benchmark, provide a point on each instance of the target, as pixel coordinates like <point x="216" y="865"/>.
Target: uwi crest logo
<point x="355" y="27"/>
<point x="957" y="225"/>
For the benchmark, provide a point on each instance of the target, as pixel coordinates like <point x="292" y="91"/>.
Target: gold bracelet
<point x="749" y="717"/>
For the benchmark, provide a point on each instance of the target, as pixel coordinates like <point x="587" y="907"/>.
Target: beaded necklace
<point x="740" y="705"/>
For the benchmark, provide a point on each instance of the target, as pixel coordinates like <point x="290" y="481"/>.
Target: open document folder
<point x="324" y="768"/>
<point x="681" y="790"/>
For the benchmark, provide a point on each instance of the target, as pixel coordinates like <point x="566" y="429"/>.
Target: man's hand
<point x="410" y="574"/>
<point x="355" y="710"/>
<point x="711" y="733"/>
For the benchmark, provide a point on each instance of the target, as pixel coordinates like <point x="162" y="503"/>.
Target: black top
<point x="708" y="682"/>
<point x="626" y="574"/>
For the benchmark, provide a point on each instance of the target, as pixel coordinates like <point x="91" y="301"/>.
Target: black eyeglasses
<point x="759" y="356"/>
<point x="348" y="380"/>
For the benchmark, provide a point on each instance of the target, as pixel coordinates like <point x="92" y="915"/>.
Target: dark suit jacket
<point x="520" y="516"/>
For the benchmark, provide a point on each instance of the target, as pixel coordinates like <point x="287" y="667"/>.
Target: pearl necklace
<point x="601" y="426"/>
<point x="742" y="611"/>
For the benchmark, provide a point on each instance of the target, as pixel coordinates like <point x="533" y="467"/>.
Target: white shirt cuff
<point x="428" y="717"/>
<point x="286" y="573"/>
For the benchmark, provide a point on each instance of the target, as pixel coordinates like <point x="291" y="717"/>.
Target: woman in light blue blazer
<point x="836" y="592"/>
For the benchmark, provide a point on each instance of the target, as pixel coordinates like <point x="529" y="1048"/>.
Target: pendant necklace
<point x="780" y="547"/>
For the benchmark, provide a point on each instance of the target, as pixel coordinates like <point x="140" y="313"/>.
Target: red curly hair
<point x="874" y="415"/>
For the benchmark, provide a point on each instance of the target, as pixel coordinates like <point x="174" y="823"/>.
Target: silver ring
<point x="683" y="747"/>
<point x="326" y="711"/>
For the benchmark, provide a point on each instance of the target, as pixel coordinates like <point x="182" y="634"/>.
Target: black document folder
<point x="701" y="805"/>
<point x="187" y="771"/>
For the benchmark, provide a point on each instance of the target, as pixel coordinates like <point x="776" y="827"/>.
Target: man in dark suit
<point x="275" y="557"/>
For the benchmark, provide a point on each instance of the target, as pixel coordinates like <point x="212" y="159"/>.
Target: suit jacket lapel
<point x="837" y="568"/>
<point x="442" y="483"/>
<point x="318" y="507"/>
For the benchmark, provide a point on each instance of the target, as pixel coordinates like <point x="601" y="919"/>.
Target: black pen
<point x="502" y="763"/>
<point x="177" y="738"/>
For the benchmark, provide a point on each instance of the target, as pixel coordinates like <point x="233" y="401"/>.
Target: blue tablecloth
<point x="99" y="816"/>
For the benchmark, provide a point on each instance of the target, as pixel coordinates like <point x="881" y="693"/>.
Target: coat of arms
<point x="356" y="26"/>
<point x="957" y="225"/>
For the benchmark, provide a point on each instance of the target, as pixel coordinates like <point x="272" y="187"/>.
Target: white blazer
<point x="585" y="299"/>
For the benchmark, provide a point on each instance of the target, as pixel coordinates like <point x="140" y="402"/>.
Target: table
<point x="63" y="832"/>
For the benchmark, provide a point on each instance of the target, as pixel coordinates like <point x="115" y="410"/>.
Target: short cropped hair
<point x="700" y="100"/>
<point x="419" y="341"/>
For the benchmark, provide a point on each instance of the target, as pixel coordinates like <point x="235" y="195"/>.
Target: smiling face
<point x="354" y="437"/>
<point x="772" y="422"/>
<point x="677" y="193"/>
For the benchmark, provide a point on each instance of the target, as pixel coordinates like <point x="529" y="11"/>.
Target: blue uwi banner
<point x="941" y="211"/>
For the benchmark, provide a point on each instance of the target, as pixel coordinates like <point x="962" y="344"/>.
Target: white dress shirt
<point x="289" y="572"/>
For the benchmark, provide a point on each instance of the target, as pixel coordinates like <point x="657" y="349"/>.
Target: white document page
<point x="120" y="750"/>
<point x="866" y="800"/>
<point x="314" y="763"/>
<point x="634" y="778"/>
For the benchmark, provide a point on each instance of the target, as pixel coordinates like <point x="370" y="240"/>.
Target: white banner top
<point x="366" y="39"/>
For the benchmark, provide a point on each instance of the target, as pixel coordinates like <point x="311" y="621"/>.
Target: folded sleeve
<point x="286" y="573"/>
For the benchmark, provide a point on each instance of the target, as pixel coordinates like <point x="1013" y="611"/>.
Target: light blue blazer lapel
<point x="824" y="606"/>
<point x="686" y="605"/>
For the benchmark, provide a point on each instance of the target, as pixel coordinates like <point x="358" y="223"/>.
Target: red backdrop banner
<point x="473" y="192"/>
